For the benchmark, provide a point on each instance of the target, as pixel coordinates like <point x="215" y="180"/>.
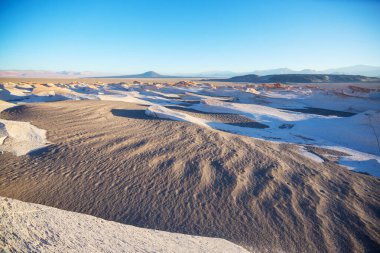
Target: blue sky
<point x="188" y="36"/>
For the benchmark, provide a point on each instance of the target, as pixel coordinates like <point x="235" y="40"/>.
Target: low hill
<point x="149" y="74"/>
<point x="299" y="78"/>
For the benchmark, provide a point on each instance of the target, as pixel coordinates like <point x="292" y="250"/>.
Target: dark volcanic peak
<point x="299" y="78"/>
<point x="149" y="74"/>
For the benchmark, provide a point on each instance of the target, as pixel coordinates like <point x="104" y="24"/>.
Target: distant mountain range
<point x="363" y="70"/>
<point x="49" y="74"/>
<point x="299" y="78"/>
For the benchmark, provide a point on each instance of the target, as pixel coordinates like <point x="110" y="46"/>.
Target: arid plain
<point x="250" y="163"/>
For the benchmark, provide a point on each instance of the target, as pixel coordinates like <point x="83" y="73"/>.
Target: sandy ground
<point x="29" y="227"/>
<point x="110" y="160"/>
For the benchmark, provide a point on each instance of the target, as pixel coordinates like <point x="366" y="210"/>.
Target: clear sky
<point x="172" y="36"/>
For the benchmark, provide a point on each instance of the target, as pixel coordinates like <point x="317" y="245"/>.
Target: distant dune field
<point x="110" y="160"/>
<point x="164" y="80"/>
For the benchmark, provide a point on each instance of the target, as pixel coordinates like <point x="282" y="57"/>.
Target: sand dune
<point x="110" y="160"/>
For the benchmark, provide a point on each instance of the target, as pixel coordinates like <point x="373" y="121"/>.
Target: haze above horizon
<point x="188" y="36"/>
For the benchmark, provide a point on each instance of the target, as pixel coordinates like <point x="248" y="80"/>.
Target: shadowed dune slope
<point x="110" y="160"/>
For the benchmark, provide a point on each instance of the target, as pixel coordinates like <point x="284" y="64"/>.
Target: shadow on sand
<point x="320" y="111"/>
<point x="134" y="114"/>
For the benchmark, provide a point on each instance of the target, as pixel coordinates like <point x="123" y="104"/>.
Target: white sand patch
<point x="27" y="227"/>
<point x="14" y="90"/>
<point x="165" y="113"/>
<point x="360" y="132"/>
<point x="198" y="97"/>
<point x="124" y="98"/>
<point x="261" y="113"/>
<point x="166" y="95"/>
<point x="359" y="161"/>
<point x="20" y="138"/>
<point x="302" y="150"/>
<point x="5" y="105"/>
